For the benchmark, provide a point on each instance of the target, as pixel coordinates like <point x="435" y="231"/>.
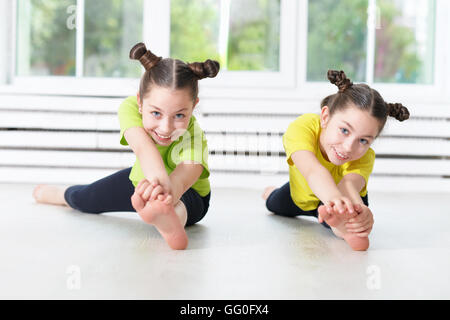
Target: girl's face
<point x="166" y="113"/>
<point x="347" y="135"/>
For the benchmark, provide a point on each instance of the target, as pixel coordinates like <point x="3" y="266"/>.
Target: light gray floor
<point x="239" y="251"/>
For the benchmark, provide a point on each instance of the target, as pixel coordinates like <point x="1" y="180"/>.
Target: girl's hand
<point x="362" y="224"/>
<point x="165" y="183"/>
<point x="340" y="205"/>
<point x="150" y="191"/>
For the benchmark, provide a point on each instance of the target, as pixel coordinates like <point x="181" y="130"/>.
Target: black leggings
<point x="113" y="193"/>
<point x="280" y="203"/>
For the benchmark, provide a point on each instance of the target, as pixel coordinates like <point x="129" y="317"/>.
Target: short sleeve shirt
<point x="191" y="147"/>
<point x="303" y="134"/>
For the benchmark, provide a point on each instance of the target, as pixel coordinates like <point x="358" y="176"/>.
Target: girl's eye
<point x="179" y="116"/>
<point x="344" y="131"/>
<point x="156" y="113"/>
<point x="364" y="141"/>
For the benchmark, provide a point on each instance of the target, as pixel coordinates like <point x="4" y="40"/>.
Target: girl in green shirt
<point x="168" y="185"/>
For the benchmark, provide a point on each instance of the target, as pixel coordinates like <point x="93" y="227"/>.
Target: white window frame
<point x="432" y="93"/>
<point x="288" y="84"/>
<point x="157" y="35"/>
<point x="285" y="78"/>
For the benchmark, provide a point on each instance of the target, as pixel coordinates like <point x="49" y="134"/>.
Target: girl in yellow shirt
<point x="330" y="160"/>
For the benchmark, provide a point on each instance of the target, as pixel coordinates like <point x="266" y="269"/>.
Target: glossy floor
<point x="239" y="251"/>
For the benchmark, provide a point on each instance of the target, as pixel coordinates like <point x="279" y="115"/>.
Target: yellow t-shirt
<point x="191" y="146"/>
<point x="303" y="134"/>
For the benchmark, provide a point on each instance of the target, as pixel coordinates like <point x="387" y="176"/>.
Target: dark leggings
<point x="113" y="193"/>
<point x="280" y="203"/>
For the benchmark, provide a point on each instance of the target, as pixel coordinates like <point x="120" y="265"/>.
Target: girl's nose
<point x="165" y="127"/>
<point x="348" y="145"/>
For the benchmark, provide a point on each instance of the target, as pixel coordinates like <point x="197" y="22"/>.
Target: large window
<point x="261" y="44"/>
<point x="374" y="41"/>
<point x="45" y="45"/>
<point x="92" y="38"/>
<point x="404" y="47"/>
<point x="241" y="34"/>
<point x="84" y="38"/>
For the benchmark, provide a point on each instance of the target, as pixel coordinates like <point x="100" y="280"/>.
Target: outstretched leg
<point x="50" y="194"/>
<point x="109" y="194"/>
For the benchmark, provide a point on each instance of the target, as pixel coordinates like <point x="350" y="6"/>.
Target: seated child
<point x="330" y="160"/>
<point x="168" y="185"/>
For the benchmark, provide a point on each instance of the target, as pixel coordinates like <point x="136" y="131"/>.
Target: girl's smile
<point x="347" y="135"/>
<point x="162" y="138"/>
<point x="166" y="113"/>
<point x="340" y="156"/>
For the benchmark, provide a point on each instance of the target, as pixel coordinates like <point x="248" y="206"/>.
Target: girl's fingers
<point x="360" y="217"/>
<point x="340" y="207"/>
<point x="143" y="184"/>
<point x="168" y="199"/>
<point x="329" y="207"/>
<point x="156" y="191"/>
<point x="140" y="183"/>
<point x="139" y="186"/>
<point x="363" y="234"/>
<point x="348" y="204"/>
<point x="359" y="228"/>
<point x="147" y="193"/>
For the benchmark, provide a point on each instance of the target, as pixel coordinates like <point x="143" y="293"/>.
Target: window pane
<point x="405" y="41"/>
<point x="111" y="28"/>
<point x="337" y="34"/>
<point x="241" y="35"/>
<point x="194" y="29"/>
<point x="254" y="40"/>
<point x="45" y="37"/>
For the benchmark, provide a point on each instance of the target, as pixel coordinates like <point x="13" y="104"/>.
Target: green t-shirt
<point x="190" y="147"/>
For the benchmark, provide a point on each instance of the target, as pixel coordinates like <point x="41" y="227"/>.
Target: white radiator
<point x="68" y="140"/>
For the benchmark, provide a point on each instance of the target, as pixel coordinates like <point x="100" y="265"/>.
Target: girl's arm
<point x="183" y="177"/>
<point x="351" y="185"/>
<point x="320" y="180"/>
<point x="149" y="157"/>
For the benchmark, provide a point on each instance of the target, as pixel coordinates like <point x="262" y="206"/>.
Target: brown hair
<point x="171" y="73"/>
<point x="363" y="97"/>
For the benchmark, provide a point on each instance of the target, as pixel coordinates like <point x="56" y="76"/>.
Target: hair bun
<point x="207" y="69"/>
<point x="145" y="57"/>
<point x="339" y="79"/>
<point x="398" y="111"/>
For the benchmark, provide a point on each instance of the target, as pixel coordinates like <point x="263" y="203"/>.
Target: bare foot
<point x="357" y="243"/>
<point x="267" y="192"/>
<point x="164" y="218"/>
<point x="49" y="194"/>
<point x="337" y="222"/>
